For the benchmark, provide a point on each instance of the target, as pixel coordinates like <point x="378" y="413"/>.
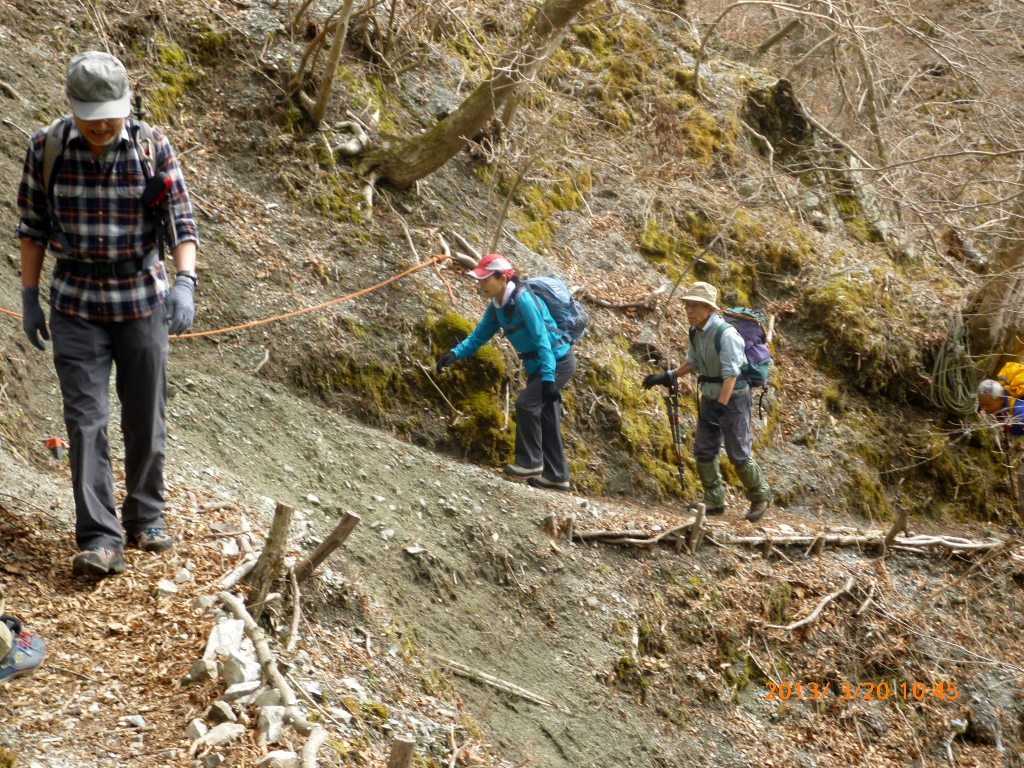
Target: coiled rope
<point x="954" y="382"/>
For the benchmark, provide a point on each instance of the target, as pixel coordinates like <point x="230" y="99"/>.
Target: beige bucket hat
<point x="704" y="292"/>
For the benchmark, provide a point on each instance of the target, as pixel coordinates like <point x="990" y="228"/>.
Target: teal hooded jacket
<point x="531" y="334"/>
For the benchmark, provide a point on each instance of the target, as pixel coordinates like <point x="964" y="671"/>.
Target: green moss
<point x="703" y="134"/>
<point x="779" y="599"/>
<point x="171" y="56"/>
<point x="174" y="76"/>
<point x="536" y="235"/>
<point x="338" y="202"/>
<point x="375" y="712"/>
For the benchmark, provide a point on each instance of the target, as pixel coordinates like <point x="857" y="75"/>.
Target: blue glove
<point x="179" y="307"/>
<point x="33" y="321"/>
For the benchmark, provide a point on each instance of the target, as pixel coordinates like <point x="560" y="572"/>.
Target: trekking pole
<point x="672" y="408"/>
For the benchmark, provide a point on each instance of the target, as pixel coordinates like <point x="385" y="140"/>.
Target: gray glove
<point x="33" y="321"/>
<point x="180" y="308"/>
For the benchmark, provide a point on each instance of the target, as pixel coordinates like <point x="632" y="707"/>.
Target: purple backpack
<point x="752" y="328"/>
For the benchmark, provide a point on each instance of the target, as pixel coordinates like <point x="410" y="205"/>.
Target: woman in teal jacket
<point x="549" y="363"/>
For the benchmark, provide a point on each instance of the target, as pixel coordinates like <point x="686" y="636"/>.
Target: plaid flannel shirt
<point x="96" y="201"/>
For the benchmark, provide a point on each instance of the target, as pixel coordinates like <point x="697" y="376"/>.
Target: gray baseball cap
<point x="98" y="88"/>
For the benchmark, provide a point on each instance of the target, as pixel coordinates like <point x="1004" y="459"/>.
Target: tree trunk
<point x="995" y="320"/>
<point x="318" y="109"/>
<point x="404" y="161"/>
<point x="271" y="562"/>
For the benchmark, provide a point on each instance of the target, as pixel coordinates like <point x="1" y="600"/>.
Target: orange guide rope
<point x="436" y="260"/>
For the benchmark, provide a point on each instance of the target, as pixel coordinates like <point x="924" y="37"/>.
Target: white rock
<point x="388" y="534"/>
<point x="279" y="758"/>
<point x="221" y="712"/>
<point x="312" y="499"/>
<point x="353" y="685"/>
<point x="785" y="528"/>
<point x="230" y="547"/>
<point x="225" y="638"/>
<point x="222" y="734"/>
<point x="240" y="690"/>
<point x="341" y="715"/>
<point x="240" y="669"/>
<point x="166" y="588"/>
<point x="593" y="602"/>
<point x="183" y="576"/>
<point x="271" y="697"/>
<point x="270" y="724"/>
<point x="204" y="602"/>
<point x="137" y="721"/>
<point x="196" y="729"/>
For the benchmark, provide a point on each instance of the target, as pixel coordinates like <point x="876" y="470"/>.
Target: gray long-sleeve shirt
<point x="707" y="361"/>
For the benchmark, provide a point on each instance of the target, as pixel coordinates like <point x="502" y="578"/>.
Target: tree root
<point x="816" y="613"/>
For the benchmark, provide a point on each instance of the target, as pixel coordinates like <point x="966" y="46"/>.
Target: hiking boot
<point x="757" y="510"/>
<point x="708" y="510"/>
<point x="516" y="471"/>
<point x="151" y="540"/>
<point x="551" y="485"/>
<point x="25" y="656"/>
<point x="98" y="561"/>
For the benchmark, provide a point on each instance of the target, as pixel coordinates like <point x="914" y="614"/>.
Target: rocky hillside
<point x="621" y="175"/>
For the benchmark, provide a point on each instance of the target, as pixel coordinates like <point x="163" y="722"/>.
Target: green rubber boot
<point x="750" y="475"/>
<point x="711" y="479"/>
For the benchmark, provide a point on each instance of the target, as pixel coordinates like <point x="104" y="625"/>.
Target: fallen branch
<point x="867" y="601"/>
<point x="496" y="682"/>
<point x="271" y="562"/>
<point x="293" y="636"/>
<point x="464" y="245"/>
<point x="646" y="302"/>
<point x="12" y="93"/>
<point x="266" y="357"/>
<point x="239" y="572"/>
<point x="426" y="372"/>
<point x="213" y="506"/>
<point x="356" y="143"/>
<point x="305" y="568"/>
<point x="815" y="615"/>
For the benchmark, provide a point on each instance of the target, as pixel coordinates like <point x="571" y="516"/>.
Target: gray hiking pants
<point x="539" y="425"/>
<point x="83" y="351"/>
<point x="735" y="431"/>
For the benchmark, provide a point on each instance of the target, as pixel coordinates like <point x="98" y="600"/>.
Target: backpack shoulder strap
<point x="718" y="336"/>
<point x="53" y="149"/>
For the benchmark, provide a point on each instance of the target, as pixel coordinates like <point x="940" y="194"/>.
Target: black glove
<point x="668" y="378"/>
<point x="33" y="321"/>
<point x="716" y="413"/>
<point x="549" y="392"/>
<point x="180" y="308"/>
<point x="444" y="361"/>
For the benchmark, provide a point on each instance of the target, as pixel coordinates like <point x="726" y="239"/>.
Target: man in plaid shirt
<point x="109" y="300"/>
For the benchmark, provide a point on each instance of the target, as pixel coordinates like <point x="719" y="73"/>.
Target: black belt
<point x="108" y="268"/>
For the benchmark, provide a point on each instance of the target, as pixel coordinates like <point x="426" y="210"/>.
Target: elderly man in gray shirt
<point x="717" y="357"/>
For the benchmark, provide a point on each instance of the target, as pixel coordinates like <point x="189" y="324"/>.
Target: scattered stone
<point x="166" y="588"/>
<point x="241" y="690"/>
<point x="593" y="602"/>
<point x="270" y="723"/>
<point x="313" y="689"/>
<point x="414" y="550"/>
<point x="196" y="730"/>
<point x="212" y="761"/>
<point x="183" y="576"/>
<point x="271" y="697"/>
<point x="190" y="565"/>
<point x="341" y="715"/>
<point x="389" y="534"/>
<point x="279" y="758"/>
<point x="221" y="712"/>
<point x="240" y="669"/>
<point x="353" y="685"/>
<point x="222" y="734"/>
<point x="312" y="499"/>
<point x="204" y="602"/>
<point x="137" y="721"/>
<point x="204" y="669"/>
<point x="226" y="638"/>
<point x="230" y="547"/>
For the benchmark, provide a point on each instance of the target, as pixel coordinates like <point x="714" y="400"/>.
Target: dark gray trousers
<point x="83" y="351"/>
<point x="539" y="425"/>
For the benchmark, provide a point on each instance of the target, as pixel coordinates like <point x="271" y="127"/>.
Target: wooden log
<point x="498" y="683"/>
<point x="587" y="535"/>
<point x="271" y="562"/>
<point x="570" y="525"/>
<point x="694" y="537"/>
<point x="305" y="568"/>
<point x="213" y="506"/>
<point x="551" y="524"/>
<point x="897" y="527"/>
<point x="401" y="752"/>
